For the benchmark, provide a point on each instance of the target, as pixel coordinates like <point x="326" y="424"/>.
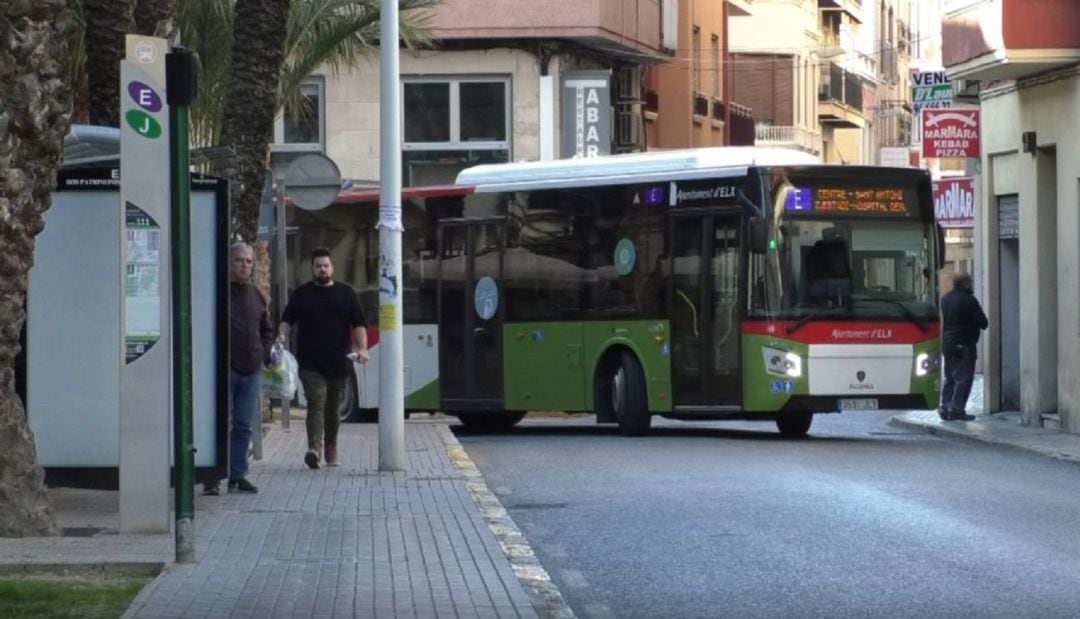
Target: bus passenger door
<point x="705" y="312"/>
<point x="471" y="310"/>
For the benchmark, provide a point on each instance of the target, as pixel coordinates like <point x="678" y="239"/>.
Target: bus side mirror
<point x="759" y="235"/>
<point x="940" y="246"/>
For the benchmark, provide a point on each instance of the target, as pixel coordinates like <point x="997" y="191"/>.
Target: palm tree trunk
<point x="259" y="29"/>
<point x="155" y="17"/>
<point x="107" y="21"/>
<point x="35" y="108"/>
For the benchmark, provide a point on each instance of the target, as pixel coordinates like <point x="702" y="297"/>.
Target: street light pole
<point x="391" y="341"/>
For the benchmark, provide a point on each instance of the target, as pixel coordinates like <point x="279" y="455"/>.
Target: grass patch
<point x="74" y="597"/>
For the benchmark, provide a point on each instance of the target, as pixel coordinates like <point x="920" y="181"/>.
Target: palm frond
<point x="322" y="34"/>
<point x="206" y="27"/>
<point x="339" y="34"/>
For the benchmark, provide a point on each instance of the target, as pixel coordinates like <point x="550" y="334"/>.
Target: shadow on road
<point x="569" y="429"/>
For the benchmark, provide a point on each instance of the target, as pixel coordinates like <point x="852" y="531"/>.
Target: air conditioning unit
<point x="628" y="85"/>
<point x="966" y="90"/>
<point x="627" y="128"/>
<point x="669" y="25"/>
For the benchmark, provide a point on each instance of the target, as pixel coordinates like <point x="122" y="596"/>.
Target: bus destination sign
<point x="846" y="201"/>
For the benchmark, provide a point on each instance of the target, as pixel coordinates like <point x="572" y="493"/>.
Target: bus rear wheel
<point x="628" y="397"/>
<point x="794" y="425"/>
<point x="490" y="423"/>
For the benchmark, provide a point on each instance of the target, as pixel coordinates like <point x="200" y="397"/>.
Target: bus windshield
<point x="847" y="251"/>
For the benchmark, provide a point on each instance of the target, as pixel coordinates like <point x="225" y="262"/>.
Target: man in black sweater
<point x="250" y="338"/>
<point x="331" y="323"/>
<point x="962" y="320"/>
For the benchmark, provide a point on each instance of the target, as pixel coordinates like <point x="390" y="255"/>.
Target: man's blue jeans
<point x="959" y="375"/>
<point x="244" y="392"/>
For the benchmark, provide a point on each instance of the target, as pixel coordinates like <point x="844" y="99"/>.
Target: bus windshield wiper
<point x="910" y="315"/>
<point x="792" y="328"/>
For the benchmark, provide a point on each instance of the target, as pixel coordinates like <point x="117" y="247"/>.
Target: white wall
<point x="352" y="103"/>
<point x="1050" y="109"/>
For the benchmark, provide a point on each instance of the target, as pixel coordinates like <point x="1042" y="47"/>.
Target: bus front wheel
<point x="628" y="397"/>
<point x="794" y="425"/>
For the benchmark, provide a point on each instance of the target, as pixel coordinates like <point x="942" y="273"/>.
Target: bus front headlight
<point x="782" y="362"/>
<point x="925" y="363"/>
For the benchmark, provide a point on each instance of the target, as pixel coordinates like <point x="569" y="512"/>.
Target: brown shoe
<point x="311" y="458"/>
<point x="331" y="455"/>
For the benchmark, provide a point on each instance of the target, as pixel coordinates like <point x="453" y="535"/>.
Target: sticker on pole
<point x="387" y="317"/>
<point x="390" y="218"/>
<point x="486" y="298"/>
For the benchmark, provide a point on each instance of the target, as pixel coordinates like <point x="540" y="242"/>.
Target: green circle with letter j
<point x="625" y="257"/>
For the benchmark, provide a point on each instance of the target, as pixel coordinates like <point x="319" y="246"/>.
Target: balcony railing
<point x="700" y="104"/>
<point x="797" y="137"/>
<point x="840" y="86"/>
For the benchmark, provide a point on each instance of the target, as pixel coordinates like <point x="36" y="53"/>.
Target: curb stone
<point x="902" y="421"/>
<point x="148" y="569"/>
<point x="533" y="577"/>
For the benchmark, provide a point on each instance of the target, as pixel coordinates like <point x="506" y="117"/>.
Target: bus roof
<point x="630" y="168"/>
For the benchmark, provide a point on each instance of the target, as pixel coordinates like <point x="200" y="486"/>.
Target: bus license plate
<point x="863" y="404"/>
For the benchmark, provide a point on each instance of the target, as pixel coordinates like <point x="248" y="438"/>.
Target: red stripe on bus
<point x="845" y="332"/>
<point x="373" y="195"/>
<point x="372" y="335"/>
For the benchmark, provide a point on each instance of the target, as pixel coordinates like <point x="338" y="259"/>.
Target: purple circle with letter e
<point x="144" y="96"/>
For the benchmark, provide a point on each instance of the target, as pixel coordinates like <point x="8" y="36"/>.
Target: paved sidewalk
<point x="997" y="428"/>
<point x="430" y="541"/>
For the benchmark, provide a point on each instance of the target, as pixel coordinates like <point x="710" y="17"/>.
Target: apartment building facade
<point x="1025" y="54"/>
<point x="495" y="89"/>
<point x="688" y="100"/>
<point x="774" y="54"/>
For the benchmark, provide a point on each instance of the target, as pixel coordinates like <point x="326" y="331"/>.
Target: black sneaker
<point x="311" y="458"/>
<point x="211" y="489"/>
<point x="241" y="486"/>
<point x="961" y="417"/>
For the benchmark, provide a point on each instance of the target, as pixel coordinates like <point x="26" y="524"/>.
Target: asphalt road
<point x="727" y="519"/>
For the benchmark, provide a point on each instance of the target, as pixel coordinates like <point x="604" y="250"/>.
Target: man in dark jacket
<point x="962" y="320"/>
<point x="250" y="338"/>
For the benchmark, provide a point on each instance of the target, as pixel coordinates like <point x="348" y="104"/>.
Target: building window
<point x="715" y="67"/>
<point x="695" y="63"/>
<point x="302" y="126"/>
<point x="452" y="123"/>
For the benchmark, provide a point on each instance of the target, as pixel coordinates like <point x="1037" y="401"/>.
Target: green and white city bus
<point x="728" y="283"/>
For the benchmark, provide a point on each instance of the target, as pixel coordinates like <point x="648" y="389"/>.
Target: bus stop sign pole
<point x="181" y="78"/>
<point x="391" y="341"/>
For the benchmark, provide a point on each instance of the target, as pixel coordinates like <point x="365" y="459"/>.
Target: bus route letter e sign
<point x="950" y="132"/>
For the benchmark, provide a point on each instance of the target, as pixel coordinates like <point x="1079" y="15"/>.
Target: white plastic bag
<point x="279" y="380"/>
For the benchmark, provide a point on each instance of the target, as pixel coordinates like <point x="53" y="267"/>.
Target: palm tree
<point x="258" y="49"/>
<point x="240" y="98"/>
<point x="155" y="17"/>
<point x="35" y="109"/>
<point x="107" y="22"/>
